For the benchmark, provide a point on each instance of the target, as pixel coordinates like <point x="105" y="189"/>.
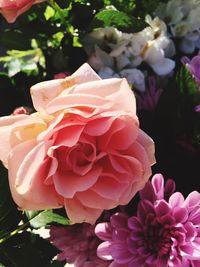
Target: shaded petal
<point x="164" y="66"/>
<point x="91" y="199"/>
<point x="67" y="184"/>
<point x="148" y="145"/>
<point x="103" y="251"/>
<point x="79" y="213"/>
<point x="120" y="253"/>
<point x="104" y="231"/>
<point x="26" y="178"/>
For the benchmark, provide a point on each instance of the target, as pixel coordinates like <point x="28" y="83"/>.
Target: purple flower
<point x="193" y="66"/>
<point x="78" y="245"/>
<point x="197" y="108"/>
<point x="148" y="100"/>
<point x="165" y="232"/>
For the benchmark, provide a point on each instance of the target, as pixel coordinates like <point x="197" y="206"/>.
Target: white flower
<point x="134" y="77"/>
<point x="106" y="73"/>
<point x="180" y="29"/>
<point x="99" y="58"/>
<point x="190" y="42"/>
<point x="181" y="15"/>
<point x="163" y="67"/>
<point x="101" y="37"/>
<point x="170" y="12"/>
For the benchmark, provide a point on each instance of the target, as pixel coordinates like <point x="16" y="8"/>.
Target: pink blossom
<point x="82" y="149"/>
<point x="78" y="244"/>
<point x="149" y="99"/>
<point x="11" y="9"/>
<point x="163" y="233"/>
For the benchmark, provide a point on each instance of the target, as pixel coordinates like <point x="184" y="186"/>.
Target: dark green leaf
<point x="27" y="250"/>
<point x="113" y="18"/>
<point x="14" y="40"/>
<point x="9" y="215"/>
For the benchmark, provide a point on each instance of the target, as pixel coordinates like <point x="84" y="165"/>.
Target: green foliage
<point x="14" y="39"/>
<point x="112" y="17"/>
<point x="9" y="215"/>
<point x="145" y="7"/>
<point x="127" y="6"/>
<point x="23" y="61"/>
<point x="46" y="217"/>
<point x="26" y="249"/>
<point x="188" y="98"/>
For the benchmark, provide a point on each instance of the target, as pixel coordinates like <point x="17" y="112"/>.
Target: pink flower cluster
<point x="164" y="232"/>
<point x="78" y="244"/>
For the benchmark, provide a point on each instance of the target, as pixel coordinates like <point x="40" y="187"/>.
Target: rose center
<point x="78" y="158"/>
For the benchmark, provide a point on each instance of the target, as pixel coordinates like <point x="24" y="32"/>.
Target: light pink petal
<point x="12" y="10"/>
<point x="125" y="136"/>
<point x="148" y="145"/>
<point x="108" y="187"/>
<point x="192" y="200"/>
<point x="127" y="165"/>
<point x="123" y="128"/>
<point x="72" y="101"/>
<point x="58" y="123"/>
<point x="67" y="184"/>
<point x="17" y="129"/>
<point x="85" y="74"/>
<point x="27" y="129"/>
<point x="6" y="126"/>
<point x="104" y="231"/>
<point x="27" y="173"/>
<point x="42" y="93"/>
<point x="103" y="251"/>
<point x="79" y="213"/>
<point x="91" y="199"/>
<point x="176" y="200"/>
<point x="158" y="185"/>
<point x="68" y="136"/>
<point x="117" y="91"/>
<point x="138" y="151"/>
<point x="99" y="126"/>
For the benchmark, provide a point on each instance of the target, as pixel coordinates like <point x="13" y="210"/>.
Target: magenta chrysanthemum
<point x="164" y="233"/>
<point x="193" y="66"/>
<point x="78" y="245"/>
<point x="148" y="100"/>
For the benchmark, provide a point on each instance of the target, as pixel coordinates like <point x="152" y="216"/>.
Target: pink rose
<point x="82" y="149"/>
<point x="11" y="9"/>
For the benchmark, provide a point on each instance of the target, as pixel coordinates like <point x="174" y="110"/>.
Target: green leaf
<point x="113" y="18"/>
<point x="40" y="219"/>
<point x="49" y="12"/>
<point x="27" y="250"/>
<point x="25" y="61"/>
<point x="189" y="96"/>
<point x="14" y="40"/>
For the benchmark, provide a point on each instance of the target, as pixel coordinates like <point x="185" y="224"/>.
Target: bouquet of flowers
<point x="99" y="133"/>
